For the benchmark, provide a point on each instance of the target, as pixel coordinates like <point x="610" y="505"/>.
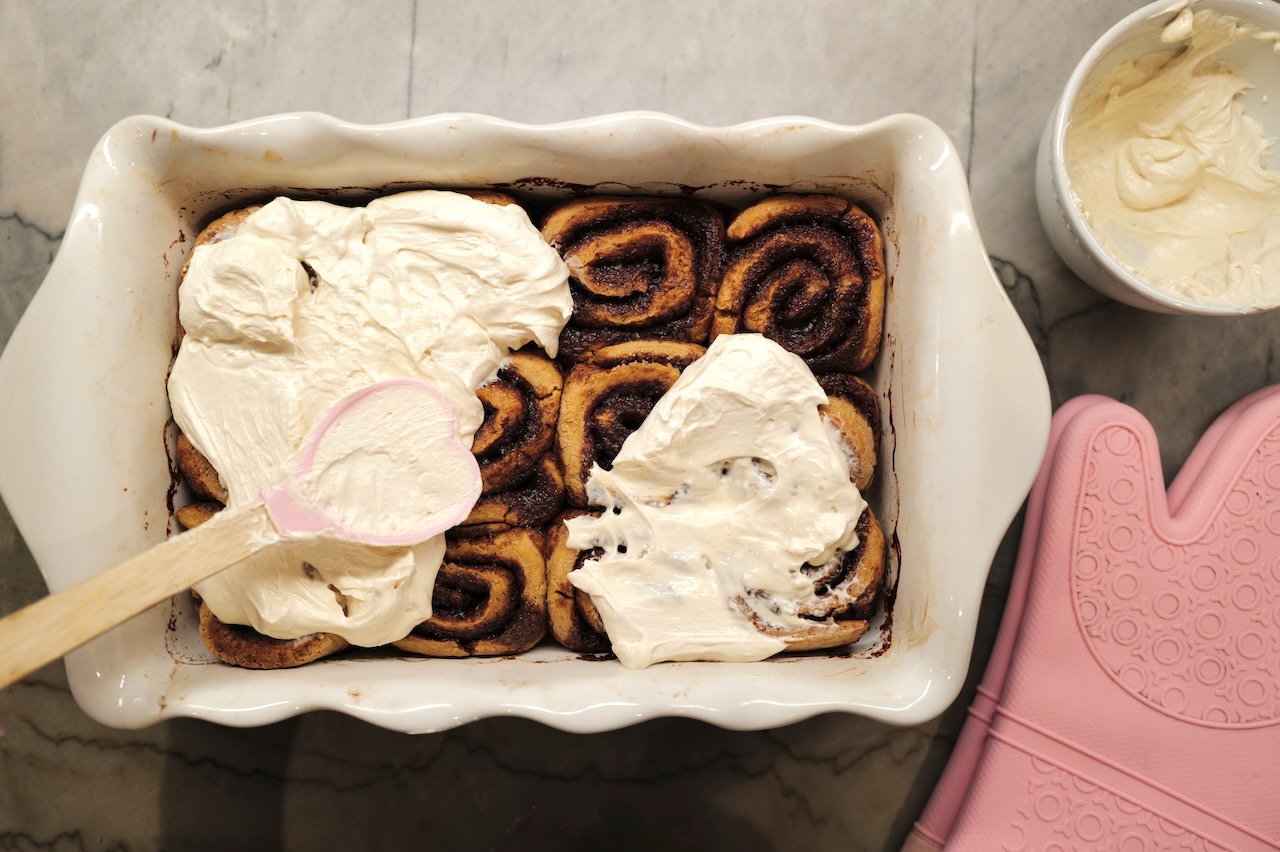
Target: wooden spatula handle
<point x="56" y="625"/>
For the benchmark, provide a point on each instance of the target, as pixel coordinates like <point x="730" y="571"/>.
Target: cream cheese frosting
<point x="384" y="466"/>
<point x="1170" y="172"/>
<point x="309" y="301"/>
<point x="713" y="506"/>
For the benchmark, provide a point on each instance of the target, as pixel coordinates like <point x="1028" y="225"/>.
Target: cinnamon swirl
<point x="607" y="398"/>
<point x="515" y="446"/>
<point x="573" y="619"/>
<point x="807" y="271"/>
<point x="490" y="597"/>
<point x="846" y="592"/>
<point x="642" y="268"/>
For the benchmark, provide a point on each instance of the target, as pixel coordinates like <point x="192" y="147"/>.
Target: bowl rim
<point x="1143" y="291"/>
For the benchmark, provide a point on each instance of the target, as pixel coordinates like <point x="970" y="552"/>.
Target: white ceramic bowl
<point x="83" y="465"/>
<point x="1135" y="36"/>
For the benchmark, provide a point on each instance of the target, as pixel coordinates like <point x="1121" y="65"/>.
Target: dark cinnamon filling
<point x="473" y="600"/>
<point x="619" y="413"/>
<point x="828" y="578"/>
<point x="802" y="289"/>
<point x="512" y="418"/>
<point x="531" y="502"/>
<point x="642" y="271"/>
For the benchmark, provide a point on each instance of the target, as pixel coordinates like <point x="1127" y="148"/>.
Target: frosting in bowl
<point x="307" y="302"/>
<point x="712" y="509"/>
<point x="1170" y="172"/>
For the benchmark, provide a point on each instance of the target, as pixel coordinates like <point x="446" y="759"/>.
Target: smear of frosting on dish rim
<point x="1170" y="172"/>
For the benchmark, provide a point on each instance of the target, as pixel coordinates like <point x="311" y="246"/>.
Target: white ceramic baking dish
<point x="84" y="470"/>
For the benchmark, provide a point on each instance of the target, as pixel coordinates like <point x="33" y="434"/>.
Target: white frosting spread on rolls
<point x="713" y="506"/>
<point x="1170" y="172"/>
<point x="428" y="285"/>
<point x="384" y="466"/>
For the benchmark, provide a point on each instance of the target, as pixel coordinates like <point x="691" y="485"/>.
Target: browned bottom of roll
<point x="243" y="646"/>
<point x="195" y="514"/>
<point x="574" y="620"/>
<point x="490" y="596"/>
<point x="488" y="196"/>
<point x="607" y="398"/>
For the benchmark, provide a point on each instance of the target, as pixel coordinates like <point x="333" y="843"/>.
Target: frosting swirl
<point x="1169" y="171"/>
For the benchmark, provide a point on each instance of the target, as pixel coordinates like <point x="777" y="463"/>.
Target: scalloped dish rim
<point x="964" y="398"/>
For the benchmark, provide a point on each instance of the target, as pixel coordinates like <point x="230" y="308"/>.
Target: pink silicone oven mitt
<point x="1132" y="696"/>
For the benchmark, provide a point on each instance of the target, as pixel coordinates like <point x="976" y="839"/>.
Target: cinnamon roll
<point x="807" y="271"/>
<point x="515" y="446"/>
<point x="641" y="268"/>
<point x="607" y="398"/>
<point x="846" y="592"/>
<point x="853" y="410"/>
<point x="242" y="646"/>
<point x="490" y="596"/>
<point x="573" y="619"/>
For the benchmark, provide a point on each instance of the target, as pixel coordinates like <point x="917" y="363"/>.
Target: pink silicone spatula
<point x="436" y="490"/>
